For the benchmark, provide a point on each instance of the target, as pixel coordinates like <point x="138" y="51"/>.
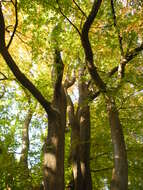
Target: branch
<point x="25" y="81"/>
<point x="70" y="110"/>
<point x="4" y="77"/>
<point x="15" y="26"/>
<point x="3" y="92"/>
<point x="93" y="95"/>
<point x="128" y="57"/>
<point x="79" y="8"/>
<point x="87" y="46"/>
<point x="133" y="53"/>
<point x="121" y="68"/>
<point x="2" y="29"/>
<point x="68" y="19"/>
<point x="102" y="169"/>
<point x="69" y="82"/>
<point x="117" y="29"/>
<point x="16" y="71"/>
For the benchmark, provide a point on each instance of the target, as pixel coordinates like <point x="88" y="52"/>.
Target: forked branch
<point x="76" y="28"/>
<point x="87" y="46"/>
<point x="16" y="71"/>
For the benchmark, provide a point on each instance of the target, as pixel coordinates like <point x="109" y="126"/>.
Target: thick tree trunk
<point x="54" y="154"/>
<point x="80" y="138"/>
<point x="84" y="122"/>
<point x="85" y="148"/>
<point x="75" y="156"/>
<point x="54" y="145"/>
<point x="75" y="146"/>
<point x="120" y="171"/>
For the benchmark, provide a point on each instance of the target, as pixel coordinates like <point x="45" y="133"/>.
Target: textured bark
<point x="80" y="137"/>
<point x="84" y="122"/>
<point x="87" y="46"/>
<point x="53" y="166"/>
<point x="120" y="171"/>
<point x="75" y="146"/>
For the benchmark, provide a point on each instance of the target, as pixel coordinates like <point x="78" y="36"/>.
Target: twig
<point x="4" y="76"/>
<point x="80" y="8"/>
<point x="68" y="18"/>
<point x="102" y="169"/>
<point x="16" y="23"/>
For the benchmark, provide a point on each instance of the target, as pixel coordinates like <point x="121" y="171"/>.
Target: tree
<point x="54" y="146"/>
<point x="80" y="135"/>
<point x="120" y="171"/>
<point x="108" y="35"/>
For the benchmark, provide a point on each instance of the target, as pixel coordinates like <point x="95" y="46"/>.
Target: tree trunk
<point x="80" y="138"/>
<point x="54" y="154"/>
<point x="85" y="148"/>
<point x="75" y="146"/>
<point x="54" y="145"/>
<point x="75" y="156"/>
<point x="25" y="139"/>
<point x="24" y="152"/>
<point x="120" y="171"/>
<point x="84" y="122"/>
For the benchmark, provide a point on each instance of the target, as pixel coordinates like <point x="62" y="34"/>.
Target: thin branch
<point x="102" y="169"/>
<point x="80" y="8"/>
<point x="93" y="95"/>
<point x="26" y="43"/>
<point x="121" y="68"/>
<point x="68" y="18"/>
<point x="2" y="29"/>
<point x="133" y="53"/>
<point x="3" y="92"/>
<point x="16" y="24"/>
<point x="4" y="76"/>
<point x="117" y="29"/>
<point x="128" y="57"/>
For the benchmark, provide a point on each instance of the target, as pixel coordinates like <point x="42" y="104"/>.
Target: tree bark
<point x="53" y="166"/>
<point x="75" y="145"/>
<point x="80" y="137"/>
<point x="25" y="180"/>
<point x="25" y="139"/>
<point x="84" y="122"/>
<point x="120" y="171"/>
